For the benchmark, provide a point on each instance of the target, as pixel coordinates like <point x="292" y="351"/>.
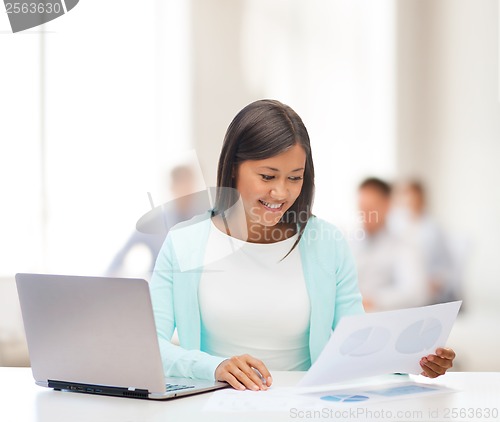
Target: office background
<point x="97" y="106"/>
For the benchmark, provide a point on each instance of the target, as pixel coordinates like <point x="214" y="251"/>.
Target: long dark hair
<point x="264" y="129"/>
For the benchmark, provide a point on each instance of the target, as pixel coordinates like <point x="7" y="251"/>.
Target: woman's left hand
<point x="435" y="365"/>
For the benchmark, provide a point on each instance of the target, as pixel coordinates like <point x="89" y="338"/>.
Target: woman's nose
<point x="279" y="191"/>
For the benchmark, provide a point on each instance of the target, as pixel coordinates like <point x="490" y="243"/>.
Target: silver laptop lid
<point x="91" y="330"/>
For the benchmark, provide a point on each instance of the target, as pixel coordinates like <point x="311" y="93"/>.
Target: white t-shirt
<point x="250" y="302"/>
<point x="390" y="272"/>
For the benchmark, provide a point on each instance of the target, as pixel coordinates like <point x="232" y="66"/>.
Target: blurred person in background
<point x="390" y="270"/>
<point x="138" y="256"/>
<point x="411" y="220"/>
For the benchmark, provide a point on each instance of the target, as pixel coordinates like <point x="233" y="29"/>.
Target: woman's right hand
<point x="240" y="372"/>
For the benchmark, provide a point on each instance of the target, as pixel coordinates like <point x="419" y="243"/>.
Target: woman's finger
<point x="444" y="363"/>
<point x="254" y="378"/>
<point x="432" y="369"/>
<point x="428" y="372"/>
<point x="247" y="379"/>
<point x="445" y="353"/>
<point x="229" y="371"/>
<point x="232" y="381"/>
<point x="259" y="365"/>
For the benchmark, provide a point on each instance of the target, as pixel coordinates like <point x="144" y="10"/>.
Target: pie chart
<point x="419" y="336"/>
<point x="344" y="398"/>
<point x="365" y="341"/>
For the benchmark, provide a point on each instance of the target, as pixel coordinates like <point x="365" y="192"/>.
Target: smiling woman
<point x="266" y="157"/>
<point x="283" y="278"/>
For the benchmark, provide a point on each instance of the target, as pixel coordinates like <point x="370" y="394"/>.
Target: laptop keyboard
<point x="175" y="387"/>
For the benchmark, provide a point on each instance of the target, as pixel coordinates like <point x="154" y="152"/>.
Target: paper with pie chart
<point x="381" y="343"/>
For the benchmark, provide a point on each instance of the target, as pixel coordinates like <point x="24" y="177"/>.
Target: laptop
<point x="97" y="335"/>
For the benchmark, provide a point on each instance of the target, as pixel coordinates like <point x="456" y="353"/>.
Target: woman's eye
<point x="296" y="178"/>
<point x="266" y="177"/>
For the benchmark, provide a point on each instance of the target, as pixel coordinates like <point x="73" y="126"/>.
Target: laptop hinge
<point x="98" y="389"/>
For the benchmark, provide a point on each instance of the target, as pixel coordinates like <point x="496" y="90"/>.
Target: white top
<point x="390" y="272"/>
<point x="434" y="246"/>
<point x="250" y="302"/>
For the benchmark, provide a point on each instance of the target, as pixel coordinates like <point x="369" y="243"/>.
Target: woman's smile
<point x="272" y="207"/>
<point x="269" y="187"/>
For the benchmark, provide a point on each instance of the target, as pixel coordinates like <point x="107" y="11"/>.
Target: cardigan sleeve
<point x="177" y="361"/>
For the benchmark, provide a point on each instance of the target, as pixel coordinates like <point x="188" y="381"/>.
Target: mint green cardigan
<point x="329" y="273"/>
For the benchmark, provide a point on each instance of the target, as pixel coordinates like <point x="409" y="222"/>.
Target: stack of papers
<point x="368" y="345"/>
<point x="382" y="343"/>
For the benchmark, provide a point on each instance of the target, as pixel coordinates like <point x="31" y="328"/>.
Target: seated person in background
<point x="410" y="220"/>
<point x="390" y="270"/>
<point x="138" y="256"/>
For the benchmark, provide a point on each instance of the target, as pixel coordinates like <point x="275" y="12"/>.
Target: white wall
<point x="332" y="61"/>
<point x="93" y="107"/>
<point x="449" y="135"/>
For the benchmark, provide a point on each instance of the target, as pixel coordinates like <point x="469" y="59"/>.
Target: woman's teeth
<point x="272" y="206"/>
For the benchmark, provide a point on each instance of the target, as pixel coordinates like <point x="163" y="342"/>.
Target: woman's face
<point x="269" y="187"/>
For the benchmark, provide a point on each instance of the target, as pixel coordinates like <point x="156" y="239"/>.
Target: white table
<point x="21" y="400"/>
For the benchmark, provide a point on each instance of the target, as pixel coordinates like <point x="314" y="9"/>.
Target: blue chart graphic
<point x="344" y="398"/>
<point x="402" y="390"/>
<point x="365" y="341"/>
<point x="419" y="336"/>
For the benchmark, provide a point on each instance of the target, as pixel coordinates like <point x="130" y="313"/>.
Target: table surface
<point x="22" y="400"/>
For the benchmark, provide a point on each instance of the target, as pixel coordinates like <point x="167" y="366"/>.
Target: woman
<point x="258" y="282"/>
